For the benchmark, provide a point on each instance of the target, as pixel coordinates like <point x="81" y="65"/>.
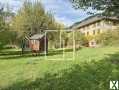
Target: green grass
<point x="91" y="70"/>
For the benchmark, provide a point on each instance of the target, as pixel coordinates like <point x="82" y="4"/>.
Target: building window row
<point x="91" y="26"/>
<point x="98" y="24"/>
<point x="95" y="32"/>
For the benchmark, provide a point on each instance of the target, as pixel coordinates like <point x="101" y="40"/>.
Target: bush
<point x="80" y="39"/>
<point x="109" y="38"/>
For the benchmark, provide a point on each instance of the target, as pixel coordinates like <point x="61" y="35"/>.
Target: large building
<point x="95" y="25"/>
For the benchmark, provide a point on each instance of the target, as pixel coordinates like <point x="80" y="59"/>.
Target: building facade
<point x="95" y="25"/>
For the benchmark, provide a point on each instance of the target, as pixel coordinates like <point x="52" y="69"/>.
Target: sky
<point x="62" y="10"/>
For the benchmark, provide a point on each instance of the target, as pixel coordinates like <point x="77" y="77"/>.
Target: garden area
<point x="92" y="69"/>
<point x="68" y="63"/>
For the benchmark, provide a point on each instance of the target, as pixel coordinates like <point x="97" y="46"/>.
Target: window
<point x="93" y="32"/>
<point x="92" y="43"/>
<point x="98" y="31"/>
<point x="95" y="25"/>
<point x="87" y="33"/>
<point x="84" y="28"/>
<point x="98" y="23"/>
<point x="114" y="23"/>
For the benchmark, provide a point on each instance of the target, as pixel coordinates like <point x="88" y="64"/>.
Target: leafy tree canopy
<point x="6" y="36"/>
<point x="108" y="7"/>
<point x="32" y="18"/>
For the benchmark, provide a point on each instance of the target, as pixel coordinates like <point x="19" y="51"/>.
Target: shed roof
<point x="90" y="20"/>
<point x="37" y="36"/>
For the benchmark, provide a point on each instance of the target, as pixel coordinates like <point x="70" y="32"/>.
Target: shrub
<point x="108" y="38"/>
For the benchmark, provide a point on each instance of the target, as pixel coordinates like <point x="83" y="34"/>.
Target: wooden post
<point x="23" y="46"/>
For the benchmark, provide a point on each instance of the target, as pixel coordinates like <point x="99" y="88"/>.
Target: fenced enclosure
<point x="61" y="42"/>
<point x="56" y="44"/>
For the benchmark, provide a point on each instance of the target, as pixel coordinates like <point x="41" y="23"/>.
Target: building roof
<point x="37" y="36"/>
<point x="90" y="20"/>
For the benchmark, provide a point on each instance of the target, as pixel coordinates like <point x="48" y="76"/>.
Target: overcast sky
<point x="61" y="9"/>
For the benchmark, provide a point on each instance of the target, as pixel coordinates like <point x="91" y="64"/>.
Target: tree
<point x="2" y="21"/>
<point x="80" y="39"/>
<point x="32" y="18"/>
<point x="5" y="34"/>
<point x="107" y="7"/>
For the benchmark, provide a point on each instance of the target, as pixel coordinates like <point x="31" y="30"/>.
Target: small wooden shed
<point x="38" y="43"/>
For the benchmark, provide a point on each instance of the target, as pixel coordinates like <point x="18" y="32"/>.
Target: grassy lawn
<point x="92" y="69"/>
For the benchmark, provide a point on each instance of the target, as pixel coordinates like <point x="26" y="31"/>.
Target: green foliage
<point x="108" y="38"/>
<point x="68" y="38"/>
<point x="79" y="38"/>
<point x="91" y="70"/>
<point x="32" y="19"/>
<point x="107" y="7"/>
<point x="54" y="39"/>
<point x="2" y="21"/>
<point x="6" y="36"/>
